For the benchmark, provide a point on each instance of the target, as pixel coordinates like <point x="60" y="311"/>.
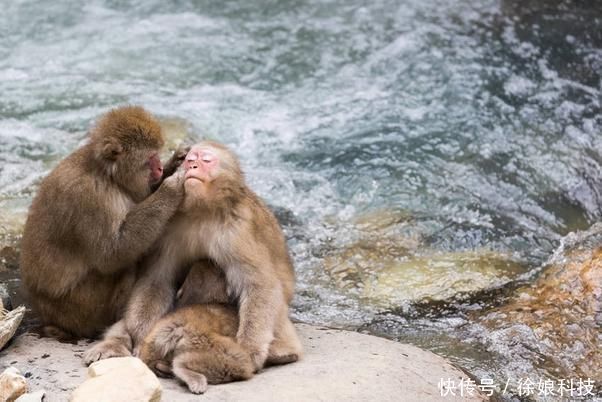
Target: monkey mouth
<point x="195" y="178"/>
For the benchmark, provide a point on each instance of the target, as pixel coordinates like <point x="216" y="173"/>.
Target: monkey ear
<point x="111" y="150"/>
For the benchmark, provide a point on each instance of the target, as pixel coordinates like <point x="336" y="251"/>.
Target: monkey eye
<point x="191" y="157"/>
<point x="207" y="157"/>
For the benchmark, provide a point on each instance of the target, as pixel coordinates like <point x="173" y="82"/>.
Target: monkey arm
<point x="138" y="231"/>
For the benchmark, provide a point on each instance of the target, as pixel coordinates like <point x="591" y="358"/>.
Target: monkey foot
<point x="275" y="360"/>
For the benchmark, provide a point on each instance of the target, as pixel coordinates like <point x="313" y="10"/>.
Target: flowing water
<point x="476" y="121"/>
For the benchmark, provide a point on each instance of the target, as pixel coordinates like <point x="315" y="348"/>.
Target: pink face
<point x="201" y="164"/>
<point x="156" y="169"/>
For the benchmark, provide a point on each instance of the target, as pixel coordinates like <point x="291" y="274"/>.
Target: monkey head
<point x="213" y="177"/>
<point x="126" y="143"/>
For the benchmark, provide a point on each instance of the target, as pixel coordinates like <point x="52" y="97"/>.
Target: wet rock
<point x="119" y="379"/>
<point x="337" y="365"/>
<point x="9" y="258"/>
<point x="37" y="396"/>
<point x="387" y="267"/>
<point x="9" y="322"/>
<point x="12" y="220"/>
<point x="12" y="385"/>
<point x="5" y="303"/>
<point x="557" y="319"/>
<point x="176" y="132"/>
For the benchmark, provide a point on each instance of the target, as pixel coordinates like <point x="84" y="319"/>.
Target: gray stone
<point x="338" y="365"/>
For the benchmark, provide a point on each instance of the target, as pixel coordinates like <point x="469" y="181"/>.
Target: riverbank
<point x="338" y="365"/>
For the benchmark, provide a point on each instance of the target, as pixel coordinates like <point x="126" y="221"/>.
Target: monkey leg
<point x="55" y="332"/>
<point x="286" y="347"/>
<point x="196" y="382"/>
<point x="116" y="343"/>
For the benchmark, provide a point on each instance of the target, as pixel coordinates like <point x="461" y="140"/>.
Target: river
<point x="477" y="123"/>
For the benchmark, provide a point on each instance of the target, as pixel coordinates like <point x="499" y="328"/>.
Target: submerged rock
<point x="337" y="365"/>
<point x="120" y="379"/>
<point x="556" y="321"/>
<point x="12" y="385"/>
<point x="386" y="266"/>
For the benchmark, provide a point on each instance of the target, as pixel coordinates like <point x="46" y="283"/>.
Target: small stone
<point x="119" y="379"/>
<point x="12" y="385"/>
<point x="37" y="396"/>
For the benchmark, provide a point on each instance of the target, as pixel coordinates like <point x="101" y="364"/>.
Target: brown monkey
<point x="197" y="344"/>
<point x="224" y="224"/>
<point x="92" y="219"/>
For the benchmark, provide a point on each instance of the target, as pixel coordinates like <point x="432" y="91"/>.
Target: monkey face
<point x="153" y="163"/>
<point x="202" y="164"/>
<point x="212" y="174"/>
<point x="137" y="171"/>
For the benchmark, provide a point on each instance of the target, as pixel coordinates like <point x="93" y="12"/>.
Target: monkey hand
<point x="174" y="185"/>
<point x="176" y="160"/>
<point x="104" y="350"/>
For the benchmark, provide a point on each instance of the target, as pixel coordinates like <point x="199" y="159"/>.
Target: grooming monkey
<point x="223" y="224"/>
<point x="92" y="219"/>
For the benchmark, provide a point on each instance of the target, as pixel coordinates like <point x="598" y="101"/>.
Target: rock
<point x="338" y="365"/>
<point x="386" y="266"/>
<point x="12" y="385"/>
<point x="9" y="322"/>
<point x="176" y="132"/>
<point x="119" y="379"/>
<point x="5" y="302"/>
<point x="439" y="277"/>
<point x="37" y="396"/>
<point x="558" y="318"/>
<point x="9" y="258"/>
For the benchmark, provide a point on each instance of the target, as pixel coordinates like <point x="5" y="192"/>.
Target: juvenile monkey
<point x="224" y="224"/>
<point x="197" y="344"/>
<point x="92" y="219"/>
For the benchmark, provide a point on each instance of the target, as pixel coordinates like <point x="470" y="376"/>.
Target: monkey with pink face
<point x="239" y="256"/>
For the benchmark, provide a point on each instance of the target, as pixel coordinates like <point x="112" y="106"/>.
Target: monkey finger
<point x="181" y="152"/>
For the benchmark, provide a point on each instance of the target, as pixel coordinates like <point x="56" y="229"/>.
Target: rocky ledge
<point x="338" y="365"/>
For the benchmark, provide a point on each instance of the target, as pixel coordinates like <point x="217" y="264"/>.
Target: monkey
<point x="205" y="283"/>
<point x="221" y="223"/>
<point x="196" y="343"/>
<point x="92" y="219"/>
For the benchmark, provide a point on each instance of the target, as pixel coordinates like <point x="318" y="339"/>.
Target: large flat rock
<point x="338" y="365"/>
